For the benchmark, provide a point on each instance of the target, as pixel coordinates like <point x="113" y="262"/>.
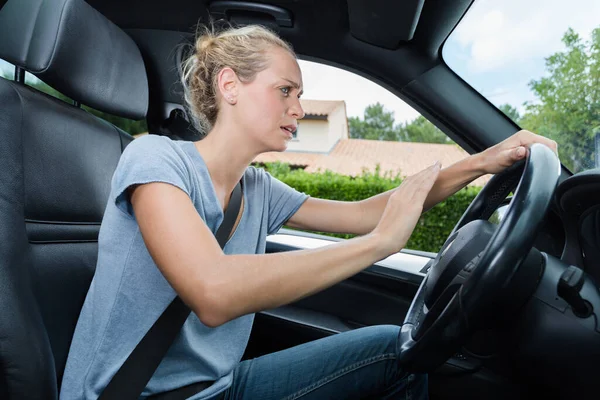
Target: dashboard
<point x="578" y="199"/>
<point x="551" y="238"/>
<point x="571" y="229"/>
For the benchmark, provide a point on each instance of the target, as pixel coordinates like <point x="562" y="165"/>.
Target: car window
<point x="130" y="126"/>
<point x="7" y="70"/>
<point x="539" y="62"/>
<point x="357" y="139"/>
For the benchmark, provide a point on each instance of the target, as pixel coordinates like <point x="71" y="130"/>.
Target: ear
<point x="227" y="83"/>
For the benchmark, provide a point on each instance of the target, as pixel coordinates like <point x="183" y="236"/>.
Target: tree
<point x="421" y="130"/>
<point x="568" y="109"/>
<point x="377" y="124"/>
<point x="511" y="112"/>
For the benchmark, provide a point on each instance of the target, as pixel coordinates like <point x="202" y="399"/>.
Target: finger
<point x="420" y="177"/>
<point x="416" y="181"/>
<point x="554" y="146"/>
<point x="509" y="156"/>
<point x="530" y="137"/>
<point x="549" y="143"/>
<point x="433" y="174"/>
<point x="425" y="173"/>
<point x="518" y="153"/>
<point x="430" y="173"/>
<point x="429" y="178"/>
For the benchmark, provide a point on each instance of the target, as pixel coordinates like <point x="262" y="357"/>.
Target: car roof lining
<point x="328" y="20"/>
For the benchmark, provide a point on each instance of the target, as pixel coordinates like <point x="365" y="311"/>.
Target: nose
<point x="296" y="110"/>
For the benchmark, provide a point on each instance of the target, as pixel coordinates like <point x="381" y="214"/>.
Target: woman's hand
<point x="403" y="209"/>
<point x="515" y="148"/>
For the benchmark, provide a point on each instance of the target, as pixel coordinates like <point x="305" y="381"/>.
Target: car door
<point x="380" y="294"/>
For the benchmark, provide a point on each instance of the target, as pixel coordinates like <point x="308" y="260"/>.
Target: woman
<point x="157" y="241"/>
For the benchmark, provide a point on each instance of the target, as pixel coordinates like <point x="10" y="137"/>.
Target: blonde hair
<point x="244" y="50"/>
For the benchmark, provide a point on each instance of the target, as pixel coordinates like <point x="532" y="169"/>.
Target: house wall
<point x="312" y="137"/>
<point x="320" y="136"/>
<point x="338" y="126"/>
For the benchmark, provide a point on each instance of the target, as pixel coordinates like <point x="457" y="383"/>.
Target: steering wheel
<point x="478" y="261"/>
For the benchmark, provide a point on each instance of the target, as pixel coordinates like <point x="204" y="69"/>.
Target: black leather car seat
<point x="56" y="164"/>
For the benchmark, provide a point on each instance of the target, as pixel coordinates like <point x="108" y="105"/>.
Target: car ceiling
<point x="328" y="37"/>
<point x="328" y="20"/>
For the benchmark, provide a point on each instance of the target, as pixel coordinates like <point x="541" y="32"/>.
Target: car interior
<point x="505" y="310"/>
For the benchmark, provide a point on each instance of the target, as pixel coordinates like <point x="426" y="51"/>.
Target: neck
<point x="227" y="154"/>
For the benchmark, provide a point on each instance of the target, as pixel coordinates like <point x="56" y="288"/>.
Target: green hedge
<point x="432" y="229"/>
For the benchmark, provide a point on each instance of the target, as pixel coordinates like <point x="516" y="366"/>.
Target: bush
<point x="433" y="227"/>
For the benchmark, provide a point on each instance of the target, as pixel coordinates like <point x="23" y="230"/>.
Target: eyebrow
<point x="295" y="85"/>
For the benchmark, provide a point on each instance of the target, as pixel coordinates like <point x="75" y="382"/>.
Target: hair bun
<point x="203" y="44"/>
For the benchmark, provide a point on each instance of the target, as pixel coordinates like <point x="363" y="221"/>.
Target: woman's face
<point x="269" y="106"/>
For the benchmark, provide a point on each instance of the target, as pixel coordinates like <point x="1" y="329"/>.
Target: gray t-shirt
<point x="128" y="292"/>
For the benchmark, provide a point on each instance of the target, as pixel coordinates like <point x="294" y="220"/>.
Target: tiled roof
<point x="350" y="156"/>
<point x="320" y="107"/>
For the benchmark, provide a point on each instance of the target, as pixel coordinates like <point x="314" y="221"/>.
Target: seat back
<point x="56" y="164"/>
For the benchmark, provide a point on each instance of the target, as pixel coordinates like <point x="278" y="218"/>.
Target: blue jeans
<point x="359" y="364"/>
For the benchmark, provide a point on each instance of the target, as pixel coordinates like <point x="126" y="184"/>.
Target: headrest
<point x="76" y="50"/>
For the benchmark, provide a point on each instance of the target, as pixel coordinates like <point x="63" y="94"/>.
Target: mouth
<point x="289" y="130"/>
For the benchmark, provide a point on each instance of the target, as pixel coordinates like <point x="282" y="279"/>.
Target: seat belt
<point x="131" y="379"/>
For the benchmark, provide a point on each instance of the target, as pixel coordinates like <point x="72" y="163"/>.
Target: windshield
<point x="539" y="62"/>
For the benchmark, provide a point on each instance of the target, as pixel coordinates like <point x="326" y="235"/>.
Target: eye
<point x="286" y="90"/>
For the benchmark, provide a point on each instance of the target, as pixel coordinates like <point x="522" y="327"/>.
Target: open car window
<point x="538" y="62"/>
<point x="7" y="70"/>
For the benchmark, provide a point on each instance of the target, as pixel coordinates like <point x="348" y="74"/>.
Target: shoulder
<point x="252" y="172"/>
<point x="153" y="158"/>
<point x="154" y="152"/>
<point x="257" y="177"/>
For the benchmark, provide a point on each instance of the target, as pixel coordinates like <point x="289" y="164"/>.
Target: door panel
<point x="381" y="294"/>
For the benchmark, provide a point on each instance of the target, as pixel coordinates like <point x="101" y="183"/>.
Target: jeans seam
<point x="340" y="373"/>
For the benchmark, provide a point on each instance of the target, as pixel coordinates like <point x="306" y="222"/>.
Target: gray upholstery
<point x="56" y="164"/>
<point x="74" y="49"/>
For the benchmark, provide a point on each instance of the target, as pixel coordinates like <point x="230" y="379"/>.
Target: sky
<point x="498" y="48"/>
<point x="501" y="45"/>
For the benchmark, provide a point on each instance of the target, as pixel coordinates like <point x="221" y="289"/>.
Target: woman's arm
<point x="450" y="181"/>
<point x="362" y="216"/>
<point x="219" y="287"/>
